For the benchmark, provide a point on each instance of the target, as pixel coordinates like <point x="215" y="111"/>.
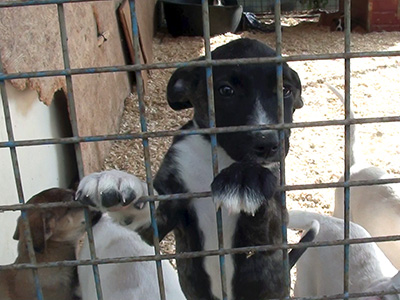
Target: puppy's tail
<point x="311" y="227"/>
<point x="304" y="220"/>
<point x="353" y="138"/>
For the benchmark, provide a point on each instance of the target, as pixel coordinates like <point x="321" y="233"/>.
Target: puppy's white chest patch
<point x="195" y="166"/>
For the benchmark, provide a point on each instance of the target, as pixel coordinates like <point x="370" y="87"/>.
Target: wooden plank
<point x="384" y="5"/>
<point x="145" y="16"/>
<point x="99" y="97"/>
<point x="145" y="19"/>
<point x="384" y="18"/>
<point x="385" y="27"/>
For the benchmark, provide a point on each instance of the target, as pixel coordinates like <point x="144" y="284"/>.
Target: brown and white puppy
<point x="55" y="233"/>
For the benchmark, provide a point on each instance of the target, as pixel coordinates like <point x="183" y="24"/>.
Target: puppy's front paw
<point x="110" y="190"/>
<point x="243" y="187"/>
<point x="117" y="193"/>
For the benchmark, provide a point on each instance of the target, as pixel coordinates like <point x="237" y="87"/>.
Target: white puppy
<point x="320" y="269"/>
<point x="125" y="281"/>
<point x="375" y="207"/>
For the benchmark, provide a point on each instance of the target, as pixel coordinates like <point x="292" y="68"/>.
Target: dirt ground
<point x="316" y="154"/>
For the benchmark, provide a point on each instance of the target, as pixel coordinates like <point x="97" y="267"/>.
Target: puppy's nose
<point x="266" y="144"/>
<point x="266" y="149"/>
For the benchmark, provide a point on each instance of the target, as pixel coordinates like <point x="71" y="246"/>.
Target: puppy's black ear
<point x="298" y="102"/>
<point x="182" y="87"/>
<point x="295" y="80"/>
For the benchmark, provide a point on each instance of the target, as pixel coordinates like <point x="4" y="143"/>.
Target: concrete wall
<point x="41" y="167"/>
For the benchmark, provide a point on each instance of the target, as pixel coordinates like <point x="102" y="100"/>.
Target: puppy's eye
<point x="226" y="91"/>
<point x="287" y="91"/>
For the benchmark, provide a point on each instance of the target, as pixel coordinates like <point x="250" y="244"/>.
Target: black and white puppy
<point x="251" y="210"/>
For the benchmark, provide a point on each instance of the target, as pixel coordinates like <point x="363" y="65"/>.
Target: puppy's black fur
<point x="252" y="213"/>
<point x="244" y="94"/>
<point x="236" y="90"/>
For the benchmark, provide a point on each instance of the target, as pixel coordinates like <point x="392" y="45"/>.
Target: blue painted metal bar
<point x="93" y="256"/>
<point x="145" y="142"/>
<point x="133" y="68"/>
<point x="213" y="138"/>
<point x="194" y="254"/>
<point x="185" y="196"/>
<point x="12" y="144"/>
<point x="74" y="125"/>
<point x="18" y="183"/>
<point x="157" y="134"/>
<point x="347" y="163"/>
<point x="70" y="90"/>
<point x="282" y="150"/>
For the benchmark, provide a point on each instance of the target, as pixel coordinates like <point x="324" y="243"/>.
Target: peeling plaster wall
<point x="41" y="167"/>
<point x="30" y="41"/>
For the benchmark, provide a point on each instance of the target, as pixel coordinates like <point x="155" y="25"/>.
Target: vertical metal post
<point x="74" y="124"/>
<point x="70" y="91"/>
<point x="18" y="183"/>
<point x="347" y="25"/>
<point x="92" y="249"/>
<point x="145" y="142"/>
<point x="282" y="150"/>
<point x="213" y="137"/>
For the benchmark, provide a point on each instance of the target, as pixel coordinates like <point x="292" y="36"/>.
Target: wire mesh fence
<point x="144" y="135"/>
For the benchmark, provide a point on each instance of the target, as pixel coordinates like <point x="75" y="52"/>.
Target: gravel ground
<point x="316" y="154"/>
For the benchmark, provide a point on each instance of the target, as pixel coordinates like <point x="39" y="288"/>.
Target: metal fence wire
<point x="144" y="136"/>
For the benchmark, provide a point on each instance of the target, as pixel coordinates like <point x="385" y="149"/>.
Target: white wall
<point x="41" y="167"/>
